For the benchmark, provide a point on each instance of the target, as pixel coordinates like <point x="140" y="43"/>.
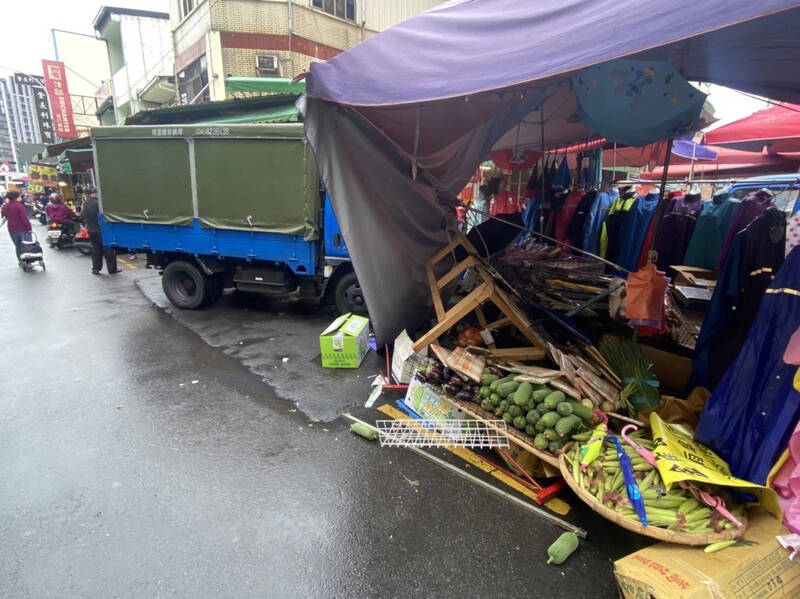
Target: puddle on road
<point x="260" y="334"/>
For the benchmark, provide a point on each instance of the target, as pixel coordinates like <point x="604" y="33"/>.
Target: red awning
<point x="777" y="127"/>
<point x="729" y="162"/>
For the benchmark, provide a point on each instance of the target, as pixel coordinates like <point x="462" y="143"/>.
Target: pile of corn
<point x="675" y="509"/>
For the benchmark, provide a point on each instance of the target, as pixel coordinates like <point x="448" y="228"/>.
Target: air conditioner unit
<point x="267" y="64"/>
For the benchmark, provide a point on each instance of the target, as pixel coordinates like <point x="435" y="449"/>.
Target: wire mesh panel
<point x="442" y="433"/>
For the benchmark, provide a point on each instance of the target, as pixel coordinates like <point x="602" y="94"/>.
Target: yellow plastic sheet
<point x="681" y="458"/>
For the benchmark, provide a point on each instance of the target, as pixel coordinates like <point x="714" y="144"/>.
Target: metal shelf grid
<point x="411" y="432"/>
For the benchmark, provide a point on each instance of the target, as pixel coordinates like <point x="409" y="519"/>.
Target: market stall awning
<point x="729" y="163"/>
<point x="275" y="108"/>
<point x="54" y="150"/>
<point x="777" y="129"/>
<point x="400" y="122"/>
<point x="79" y="160"/>
<point x="264" y="85"/>
<point x="279" y="114"/>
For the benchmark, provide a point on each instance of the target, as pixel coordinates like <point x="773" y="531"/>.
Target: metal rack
<point x="442" y="433"/>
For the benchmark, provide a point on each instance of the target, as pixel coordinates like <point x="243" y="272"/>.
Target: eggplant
<point x="456" y="381"/>
<point x="451" y="390"/>
<point x="464" y="396"/>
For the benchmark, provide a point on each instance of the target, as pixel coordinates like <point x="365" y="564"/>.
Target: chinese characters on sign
<point x="42" y="175"/>
<point x="41" y="105"/>
<point x="55" y="80"/>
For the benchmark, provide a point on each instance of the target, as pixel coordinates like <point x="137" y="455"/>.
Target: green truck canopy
<point x="246" y="177"/>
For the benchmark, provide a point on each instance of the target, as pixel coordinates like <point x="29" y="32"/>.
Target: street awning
<point x="400" y="122"/>
<point x="279" y="114"/>
<point x="264" y="85"/>
<point x="262" y="109"/>
<point x="777" y="129"/>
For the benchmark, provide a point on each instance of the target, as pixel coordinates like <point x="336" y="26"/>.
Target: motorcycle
<point x="63" y="236"/>
<point x="38" y="212"/>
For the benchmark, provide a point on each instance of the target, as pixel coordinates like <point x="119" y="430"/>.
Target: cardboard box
<point x="430" y="403"/>
<point x="405" y="361"/>
<point x="345" y="342"/>
<point x="756" y="567"/>
<point x="672" y="370"/>
<point x="694" y="276"/>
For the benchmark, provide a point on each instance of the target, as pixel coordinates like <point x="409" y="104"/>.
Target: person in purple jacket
<point x="14" y="213"/>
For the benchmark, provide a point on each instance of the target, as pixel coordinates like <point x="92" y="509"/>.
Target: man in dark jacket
<point x="90" y="213"/>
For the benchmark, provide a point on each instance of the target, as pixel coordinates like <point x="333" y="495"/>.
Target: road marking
<point x="126" y="263"/>
<point x="559" y="506"/>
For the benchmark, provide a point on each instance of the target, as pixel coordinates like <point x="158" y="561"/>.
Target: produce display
<point x="545" y="414"/>
<point x="677" y="509"/>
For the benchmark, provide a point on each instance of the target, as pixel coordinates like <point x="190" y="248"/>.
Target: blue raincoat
<point x="751" y="414"/>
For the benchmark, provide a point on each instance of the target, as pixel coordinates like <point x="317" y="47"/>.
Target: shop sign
<point x="55" y="81"/>
<point x="45" y="175"/>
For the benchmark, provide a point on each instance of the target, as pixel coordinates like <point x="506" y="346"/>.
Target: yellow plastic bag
<point x="681" y="458"/>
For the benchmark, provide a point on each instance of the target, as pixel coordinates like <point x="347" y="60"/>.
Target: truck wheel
<point x="184" y="285"/>
<point x="348" y="297"/>
<point x="214" y="290"/>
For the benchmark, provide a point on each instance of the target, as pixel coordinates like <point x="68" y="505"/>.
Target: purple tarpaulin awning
<point x="433" y="95"/>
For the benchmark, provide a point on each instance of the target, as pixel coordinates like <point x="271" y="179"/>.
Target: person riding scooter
<point x="60" y="213"/>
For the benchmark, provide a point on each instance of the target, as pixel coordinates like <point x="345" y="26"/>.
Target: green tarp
<point x="264" y="85"/>
<point x="279" y="114"/>
<point x="246" y="177"/>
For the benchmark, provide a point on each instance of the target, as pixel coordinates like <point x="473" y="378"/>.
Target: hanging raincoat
<point x="751" y="414"/>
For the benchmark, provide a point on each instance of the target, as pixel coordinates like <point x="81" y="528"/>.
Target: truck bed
<point x="298" y="254"/>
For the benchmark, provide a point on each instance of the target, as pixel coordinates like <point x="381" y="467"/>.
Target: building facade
<point x="29" y="117"/>
<point x="86" y="65"/>
<point x="215" y="39"/>
<point x="140" y="59"/>
<point x="8" y="154"/>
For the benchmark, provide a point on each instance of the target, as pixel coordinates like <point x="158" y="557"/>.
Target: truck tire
<point x="214" y="290"/>
<point x="348" y="297"/>
<point x="185" y="286"/>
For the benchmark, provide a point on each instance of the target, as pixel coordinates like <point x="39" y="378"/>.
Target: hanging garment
<point x="762" y="257"/>
<point x="645" y="298"/>
<point x="564" y="218"/>
<point x="634" y="230"/>
<point x="610" y="233"/>
<point x="505" y="202"/>
<point x="530" y="216"/>
<point x="751" y="414"/>
<point x="675" y="229"/>
<point x="576" y="225"/>
<point x="712" y="226"/>
<point x="595" y="219"/>
<point x="793" y="232"/>
<point x="720" y="309"/>
<point x="561" y="177"/>
<point x="786" y="481"/>
<point x="752" y="206"/>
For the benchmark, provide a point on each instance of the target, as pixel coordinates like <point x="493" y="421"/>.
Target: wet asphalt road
<point x="146" y="455"/>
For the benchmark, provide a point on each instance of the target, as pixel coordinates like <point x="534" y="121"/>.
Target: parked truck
<point x="223" y="206"/>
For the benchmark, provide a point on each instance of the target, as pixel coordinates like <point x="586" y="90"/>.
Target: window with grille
<point x="193" y="82"/>
<point x="344" y="9"/>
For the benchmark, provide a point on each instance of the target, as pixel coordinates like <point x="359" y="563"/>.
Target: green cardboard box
<point x="344" y="343"/>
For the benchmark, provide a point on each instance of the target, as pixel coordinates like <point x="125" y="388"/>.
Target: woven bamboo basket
<point x="655" y="532"/>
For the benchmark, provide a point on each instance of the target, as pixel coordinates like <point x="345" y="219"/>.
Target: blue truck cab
<point x="223" y="206"/>
<point x="788" y="186"/>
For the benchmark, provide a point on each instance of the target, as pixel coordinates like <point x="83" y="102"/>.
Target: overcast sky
<point x="26" y="26"/>
<point x="26" y="40"/>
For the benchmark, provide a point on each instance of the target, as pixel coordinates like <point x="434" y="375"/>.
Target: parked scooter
<point x="38" y="212"/>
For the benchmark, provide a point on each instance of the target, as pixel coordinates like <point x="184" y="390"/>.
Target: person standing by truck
<point x="90" y="213"/>
<point x="15" y="214"/>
